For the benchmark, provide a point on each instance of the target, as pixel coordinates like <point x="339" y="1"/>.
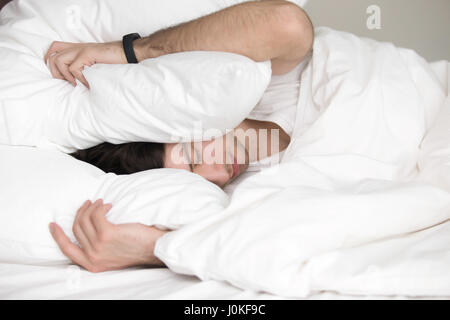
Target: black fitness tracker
<point x="127" y="43"/>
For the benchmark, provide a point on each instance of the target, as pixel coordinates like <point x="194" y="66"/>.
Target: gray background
<point x="422" y="25"/>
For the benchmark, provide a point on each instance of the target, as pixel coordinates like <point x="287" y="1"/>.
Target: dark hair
<point x="124" y="158"/>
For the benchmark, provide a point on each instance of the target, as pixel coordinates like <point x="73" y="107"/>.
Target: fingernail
<point x="51" y="226"/>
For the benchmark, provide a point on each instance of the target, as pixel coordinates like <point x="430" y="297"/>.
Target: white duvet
<point x="347" y="210"/>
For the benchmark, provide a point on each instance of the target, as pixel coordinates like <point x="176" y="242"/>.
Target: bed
<point x="390" y="184"/>
<point x="70" y="282"/>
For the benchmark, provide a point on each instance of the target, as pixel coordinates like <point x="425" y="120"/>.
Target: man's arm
<point x="274" y="30"/>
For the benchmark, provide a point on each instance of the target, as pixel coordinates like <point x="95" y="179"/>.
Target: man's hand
<point x="106" y="246"/>
<point x="67" y="60"/>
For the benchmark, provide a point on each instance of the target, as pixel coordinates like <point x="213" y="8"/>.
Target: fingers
<point x="82" y="229"/>
<point x="67" y="75"/>
<point x="76" y="71"/>
<point x="60" y="63"/>
<point x="98" y="218"/>
<point x="93" y="219"/>
<point x="62" y="67"/>
<point x="55" y="47"/>
<point x="90" y="223"/>
<point x="66" y="62"/>
<point x="54" y="70"/>
<point x="70" y="250"/>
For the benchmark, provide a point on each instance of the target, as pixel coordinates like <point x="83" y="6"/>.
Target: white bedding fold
<point x="340" y="210"/>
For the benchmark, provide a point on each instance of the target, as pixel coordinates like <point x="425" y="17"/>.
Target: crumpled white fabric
<point x="346" y="210"/>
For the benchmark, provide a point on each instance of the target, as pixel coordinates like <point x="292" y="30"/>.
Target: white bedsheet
<point x="71" y="282"/>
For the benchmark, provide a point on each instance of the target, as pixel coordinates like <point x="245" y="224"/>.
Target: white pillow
<point x="40" y="186"/>
<point x="177" y="97"/>
<point x="29" y="93"/>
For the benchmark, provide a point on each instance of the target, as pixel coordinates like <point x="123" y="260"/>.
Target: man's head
<point x="219" y="161"/>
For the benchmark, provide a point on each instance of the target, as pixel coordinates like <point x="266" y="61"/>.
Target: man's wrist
<point x="144" y="49"/>
<point x="150" y="258"/>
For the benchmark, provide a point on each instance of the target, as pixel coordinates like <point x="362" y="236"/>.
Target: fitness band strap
<point x="127" y="43"/>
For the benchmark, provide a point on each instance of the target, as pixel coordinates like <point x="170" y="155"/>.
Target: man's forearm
<point x="260" y="30"/>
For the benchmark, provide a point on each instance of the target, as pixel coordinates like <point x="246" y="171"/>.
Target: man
<point x="220" y="160"/>
<point x="261" y="30"/>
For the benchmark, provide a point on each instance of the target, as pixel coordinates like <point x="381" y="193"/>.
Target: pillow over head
<point x="33" y="100"/>
<point x="176" y="97"/>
